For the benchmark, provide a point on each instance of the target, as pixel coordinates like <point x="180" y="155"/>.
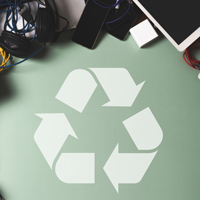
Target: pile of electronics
<point x="23" y="22"/>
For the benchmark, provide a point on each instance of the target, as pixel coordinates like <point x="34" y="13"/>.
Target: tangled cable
<point x="20" y="32"/>
<point x="5" y="57"/>
<point x="11" y="22"/>
<point x="189" y="58"/>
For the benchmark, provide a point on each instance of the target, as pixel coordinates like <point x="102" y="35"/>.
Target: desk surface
<point x="171" y="91"/>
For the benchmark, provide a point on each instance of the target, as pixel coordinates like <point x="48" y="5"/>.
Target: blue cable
<point x="112" y="6"/>
<point x="12" y="19"/>
<point x="122" y="15"/>
<point x="11" y="23"/>
<point x="9" y="3"/>
<point x="24" y="59"/>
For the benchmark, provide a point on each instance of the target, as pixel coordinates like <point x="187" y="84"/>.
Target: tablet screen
<point x="179" y="18"/>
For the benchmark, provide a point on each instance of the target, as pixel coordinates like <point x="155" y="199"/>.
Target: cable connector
<point x="26" y="14"/>
<point x="118" y="5"/>
<point x="197" y="66"/>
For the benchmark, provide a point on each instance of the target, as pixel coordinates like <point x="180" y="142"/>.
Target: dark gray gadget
<point x="119" y="21"/>
<point x="91" y="22"/>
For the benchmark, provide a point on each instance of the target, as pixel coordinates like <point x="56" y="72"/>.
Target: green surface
<point x="171" y="90"/>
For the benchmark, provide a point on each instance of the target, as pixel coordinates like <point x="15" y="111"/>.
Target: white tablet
<point x="178" y="20"/>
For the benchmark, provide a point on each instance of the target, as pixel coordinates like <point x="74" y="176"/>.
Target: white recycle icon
<point x="143" y="128"/>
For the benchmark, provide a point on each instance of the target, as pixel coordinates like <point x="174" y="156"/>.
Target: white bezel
<point x="180" y="47"/>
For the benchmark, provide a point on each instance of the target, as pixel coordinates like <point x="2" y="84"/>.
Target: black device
<point x="91" y="22"/>
<point x="102" y="13"/>
<point x="119" y="21"/>
<point x="45" y="23"/>
<point x="15" y="44"/>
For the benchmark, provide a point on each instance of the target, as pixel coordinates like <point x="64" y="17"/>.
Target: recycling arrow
<point x="127" y="167"/>
<point x="118" y="85"/>
<point x="131" y="167"/>
<point x="76" y="168"/>
<point x="51" y="135"/>
<point x="144" y="130"/>
<point x="77" y="89"/>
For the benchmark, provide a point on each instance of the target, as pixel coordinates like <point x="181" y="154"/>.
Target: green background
<point x="171" y="90"/>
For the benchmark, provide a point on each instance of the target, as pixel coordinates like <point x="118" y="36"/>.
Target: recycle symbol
<point x="143" y="128"/>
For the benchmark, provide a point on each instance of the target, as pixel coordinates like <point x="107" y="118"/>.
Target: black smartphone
<point x="91" y="22"/>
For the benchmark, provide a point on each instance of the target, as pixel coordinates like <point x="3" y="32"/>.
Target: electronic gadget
<point x="91" y="22"/>
<point x="14" y="40"/>
<point x="15" y="43"/>
<point x="121" y="19"/>
<point x="177" y="20"/>
<point x="116" y="16"/>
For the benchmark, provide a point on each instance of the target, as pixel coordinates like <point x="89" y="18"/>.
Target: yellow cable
<point x="5" y="57"/>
